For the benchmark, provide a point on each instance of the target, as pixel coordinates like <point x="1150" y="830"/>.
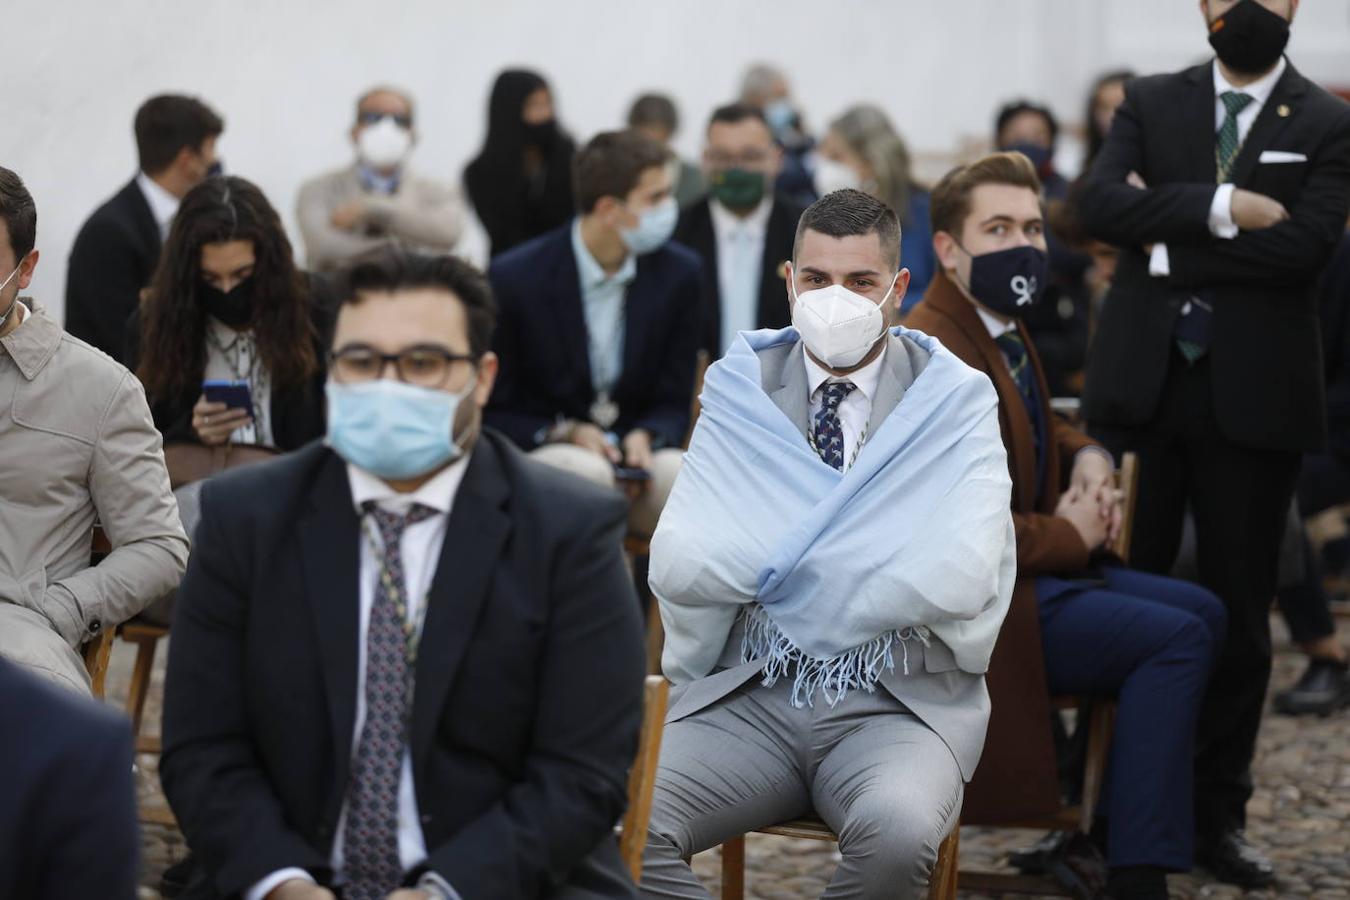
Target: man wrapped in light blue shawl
<point x="832" y="570"/>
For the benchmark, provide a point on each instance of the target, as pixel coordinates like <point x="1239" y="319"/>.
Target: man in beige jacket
<point x="377" y="201"/>
<point x="77" y="445"/>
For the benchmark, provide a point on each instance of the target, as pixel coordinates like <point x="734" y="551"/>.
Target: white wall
<point x="284" y="73"/>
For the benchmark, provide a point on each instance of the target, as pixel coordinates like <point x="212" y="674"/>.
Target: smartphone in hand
<point x="234" y="394"/>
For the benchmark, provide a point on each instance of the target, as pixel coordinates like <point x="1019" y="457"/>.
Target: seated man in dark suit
<point x="68" y="811"/>
<point x="1149" y="641"/>
<point x="742" y="229"/>
<point x="598" y="329"/>
<point x="117" y="248"/>
<point x="376" y="687"/>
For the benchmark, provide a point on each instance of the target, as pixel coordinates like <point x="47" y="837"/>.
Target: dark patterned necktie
<point x="828" y="434"/>
<point x="371" y="863"/>
<point x="1192" y="331"/>
<point x="1015" y="352"/>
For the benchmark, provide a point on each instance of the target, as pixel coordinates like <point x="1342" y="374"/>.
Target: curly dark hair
<point x="173" y="319"/>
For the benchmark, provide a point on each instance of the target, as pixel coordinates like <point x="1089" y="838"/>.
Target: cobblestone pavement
<point x="1300" y="814"/>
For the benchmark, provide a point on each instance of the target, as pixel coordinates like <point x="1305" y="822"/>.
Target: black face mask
<point x="235" y="309"/>
<point x="541" y="134"/>
<point x="1009" y="282"/>
<point x="1249" y="38"/>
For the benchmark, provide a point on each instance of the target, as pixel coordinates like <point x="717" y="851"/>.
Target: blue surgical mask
<point x="654" y="228"/>
<point x="1041" y="157"/>
<point x="391" y="429"/>
<point x="780" y="115"/>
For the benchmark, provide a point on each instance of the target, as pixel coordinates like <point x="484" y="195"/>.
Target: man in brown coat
<point x="1146" y="640"/>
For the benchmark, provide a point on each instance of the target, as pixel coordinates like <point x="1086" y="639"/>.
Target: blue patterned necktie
<point x="371" y="864"/>
<point x="828" y="434"/>
<point x="1192" y="331"/>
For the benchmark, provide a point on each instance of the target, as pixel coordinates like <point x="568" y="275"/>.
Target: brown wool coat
<point x="1017" y="774"/>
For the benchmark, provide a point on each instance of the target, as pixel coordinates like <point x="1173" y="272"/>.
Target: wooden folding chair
<point x="642" y="777"/>
<point x="98" y="651"/>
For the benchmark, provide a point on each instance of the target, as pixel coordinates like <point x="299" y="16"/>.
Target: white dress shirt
<point x="421" y="552"/>
<point x="740" y="264"/>
<point x="854" y="410"/>
<point x="1221" y="223"/>
<point x="603" y="299"/>
<point x="163" y="205"/>
<point x="233" y="356"/>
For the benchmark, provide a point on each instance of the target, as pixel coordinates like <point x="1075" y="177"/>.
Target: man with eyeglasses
<point x="743" y="229"/>
<point x="376" y="688"/>
<point x="377" y="201"/>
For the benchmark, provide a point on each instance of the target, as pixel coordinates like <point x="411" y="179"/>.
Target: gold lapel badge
<point x="1283" y="111"/>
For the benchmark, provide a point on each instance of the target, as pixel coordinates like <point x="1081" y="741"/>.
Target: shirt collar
<point x="1258" y="90"/>
<point x="33" y="343"/>
<point x="755" y="224"/>
<point x="163" y="205"/>
<point x="591" y="273"/>
<point x="865" y="379"/>
<point x="996" y="328"/>
<point x="438" y="493"/>
<point x="374" y="181"/>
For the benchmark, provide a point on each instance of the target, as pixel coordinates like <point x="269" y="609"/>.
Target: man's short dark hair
<point x="390" y="270"/>
<point x="733" y="113"/>
<point x="654" y="111"/>
<point x="847" y="213"/>
<point x="950" y="203"/>
<point x="1011" y="110"/>
<point x="168" y="123"/>
<point x="611" y="165"/>
<point x="19" y="214"/>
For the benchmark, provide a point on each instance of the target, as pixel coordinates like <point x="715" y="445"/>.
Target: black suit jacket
<point x="541" y="340"/>
<point x="1264" y="351"/>
<point x="68" y="810"/>
<point x="528" y="679"/>
<point x="114" y="256"/>
<point x="695" y="230"/>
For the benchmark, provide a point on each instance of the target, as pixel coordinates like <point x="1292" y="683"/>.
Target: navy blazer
<point x="68" y="810"/>
<point x="113" y="258"/>
<point x="528" y="681"/>
<point x="542" y="342"/>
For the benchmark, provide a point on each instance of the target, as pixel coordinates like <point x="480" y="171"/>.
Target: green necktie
<point x="1226" y="143"/>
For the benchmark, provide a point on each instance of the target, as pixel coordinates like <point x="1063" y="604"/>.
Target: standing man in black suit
<point x="415" y="671"/>
<point x="68" y="810"/>
<point x="117" y="248"/>
<point x="599" y="327"/>
<point x="743" y="229"/>
<point x="1226" y="185"/>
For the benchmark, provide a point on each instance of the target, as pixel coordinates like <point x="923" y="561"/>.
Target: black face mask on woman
<point x="1249" y="38"/>
<point x="234" y="308"/>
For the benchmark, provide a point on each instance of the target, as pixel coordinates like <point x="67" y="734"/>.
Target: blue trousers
<point x="1150" y="642"/>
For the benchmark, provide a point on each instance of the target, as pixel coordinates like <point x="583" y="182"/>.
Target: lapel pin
<point x="1283" y="111"/>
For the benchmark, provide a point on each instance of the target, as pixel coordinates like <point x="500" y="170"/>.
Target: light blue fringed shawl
<point x="832" y="569"/>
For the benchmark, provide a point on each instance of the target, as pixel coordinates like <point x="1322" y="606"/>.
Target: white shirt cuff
<point x="437" y="883"/>
<point x="1159" y="263"/>
<point x="264" y="887"/>
<point x="1221" y="223"/>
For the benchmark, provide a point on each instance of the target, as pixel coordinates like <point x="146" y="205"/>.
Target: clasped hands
<point x="300" y="889"/>
<point x="1092" y="504"/>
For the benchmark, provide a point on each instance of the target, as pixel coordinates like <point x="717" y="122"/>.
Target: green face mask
<point x="738" y="188"/>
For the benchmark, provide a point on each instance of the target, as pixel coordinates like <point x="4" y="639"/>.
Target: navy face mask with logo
<point x="1009" y="282"/>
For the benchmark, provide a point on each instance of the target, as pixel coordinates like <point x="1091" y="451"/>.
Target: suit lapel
<point x="640" y="303"/>
<point x="146" y="226"/>
<point x="569" y="310"/>
<point x="774" y="311"/>
<point x="329" y="534"/>
<point x="1269" y="123"/>
<point x="792" y="396"/>
<point x="896" y="377"/>
<point x="1197" y="124"/>
<point x="475" y="533"/>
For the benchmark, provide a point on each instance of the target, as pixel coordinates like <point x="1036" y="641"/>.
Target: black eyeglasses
<point x="424" y="365"/>
<point x="373" y="118"/>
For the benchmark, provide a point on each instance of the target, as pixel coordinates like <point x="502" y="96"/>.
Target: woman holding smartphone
<point x="228" y="338"/>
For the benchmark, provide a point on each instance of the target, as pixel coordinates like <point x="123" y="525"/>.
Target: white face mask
<point x="838" y="326"/>
<point x="383" y="145"/>
<point x="831" y="175"/>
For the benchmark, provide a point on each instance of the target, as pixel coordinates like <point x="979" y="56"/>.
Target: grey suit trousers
<point x="877" y="775"/>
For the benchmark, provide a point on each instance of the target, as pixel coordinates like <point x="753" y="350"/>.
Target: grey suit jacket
<point x="955" y="704"/>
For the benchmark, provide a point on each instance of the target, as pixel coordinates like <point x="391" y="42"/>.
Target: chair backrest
<point x="1127" y="481"/>
<point x="642" y="777"/>
<point x="189" y="461"/>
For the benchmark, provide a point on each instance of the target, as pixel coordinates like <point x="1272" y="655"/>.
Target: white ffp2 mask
<point x="838" y="326"/>
<point x="384" y="144"/>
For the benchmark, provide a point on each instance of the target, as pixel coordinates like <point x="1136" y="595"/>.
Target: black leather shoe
<point x="1232" y="860"/>
<point x="1323" y="689"/>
